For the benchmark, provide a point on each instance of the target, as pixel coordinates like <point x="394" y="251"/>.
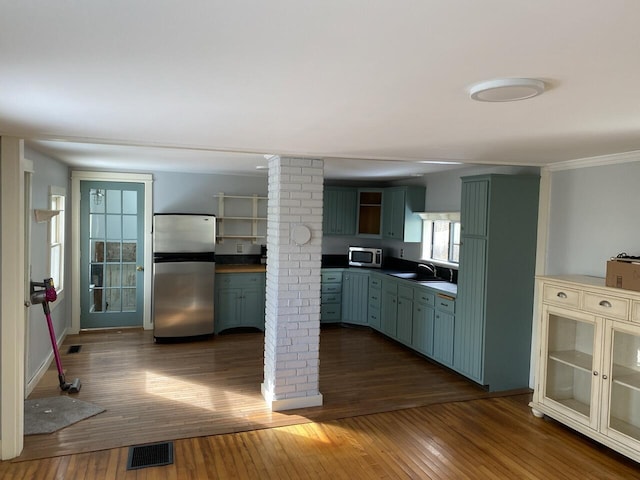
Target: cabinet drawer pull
<point x="605" y="303"/>
<point x="562" y="295"/>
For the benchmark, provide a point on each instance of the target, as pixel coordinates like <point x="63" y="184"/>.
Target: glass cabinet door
<point x="623" y="413"/>
<point x="570" y="376"/>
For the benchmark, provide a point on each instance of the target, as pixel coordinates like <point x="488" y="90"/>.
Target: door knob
<point x="139" y="268"/>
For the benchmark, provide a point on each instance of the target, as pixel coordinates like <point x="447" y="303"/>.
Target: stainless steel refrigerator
<point x="183" y="275"/>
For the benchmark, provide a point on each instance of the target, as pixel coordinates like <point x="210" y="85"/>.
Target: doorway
<point x="111" y="274"/>
<point x="111" y="254"/>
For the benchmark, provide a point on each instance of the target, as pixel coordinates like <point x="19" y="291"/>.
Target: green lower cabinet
<point x="389" y="320"/>
<point x="331" y="297"/>
<point x="404" y="315"/>
<point x="240" y="301"/>
<point x="444" y="329"/>
<point x="375" y="301"/>
<point x="355" y="297"/>
<point x="422" y="336"/>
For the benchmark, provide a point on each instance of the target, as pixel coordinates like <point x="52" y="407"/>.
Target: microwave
<point x="365" y="257"/>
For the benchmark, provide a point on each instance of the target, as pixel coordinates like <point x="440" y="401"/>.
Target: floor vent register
<point x="152" y="455"/>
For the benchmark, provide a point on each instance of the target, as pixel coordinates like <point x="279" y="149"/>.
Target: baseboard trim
<point x="290" y="403"/>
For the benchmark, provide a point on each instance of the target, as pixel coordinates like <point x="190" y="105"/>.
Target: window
<point x="56" y="237"/>
<point x="441" y="237"/>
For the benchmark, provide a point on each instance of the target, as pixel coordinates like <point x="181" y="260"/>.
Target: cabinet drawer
<point x="635" y="311"/>
<point x="331" y="311"/>
<point x="561" y="296"/>
<point x="405" y="292"/>
<point x="610" y="307"/>
<point x="375" y="282"/>
<point x="374" y="298"/>
<point x="424" y="296"/>
<point x="445" y="304"/>
<point x="329" y="277"/>
<point x="331" y="298"/>
<point x="331" y="288"/>
<point x="239" y="279"/>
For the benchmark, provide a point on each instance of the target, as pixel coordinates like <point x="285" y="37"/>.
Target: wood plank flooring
<point x="154" y="392"/>
<point x="437" y="424"/>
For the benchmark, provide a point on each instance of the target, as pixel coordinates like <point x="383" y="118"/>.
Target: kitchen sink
<point x="418" y="277"/>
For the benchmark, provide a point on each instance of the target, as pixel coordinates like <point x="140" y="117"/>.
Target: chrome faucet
<point x="429" y="266"/>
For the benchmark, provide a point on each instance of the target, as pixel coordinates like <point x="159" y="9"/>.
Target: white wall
<point x="47" y="172"/>
<point x="593" y="216"/>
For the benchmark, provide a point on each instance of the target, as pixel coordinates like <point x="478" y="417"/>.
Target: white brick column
<point x="292" y="330"/>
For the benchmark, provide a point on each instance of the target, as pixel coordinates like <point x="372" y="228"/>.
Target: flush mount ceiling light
<point x="506" y="89"/>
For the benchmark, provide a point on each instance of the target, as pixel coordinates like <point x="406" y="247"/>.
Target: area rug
<point x="46" y="415"/>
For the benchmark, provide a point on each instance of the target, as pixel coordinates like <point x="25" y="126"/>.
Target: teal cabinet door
<point x="404" y="315"/>
<point x="443" y="331"/>
<point x="469" y="331"/>
<point x="339" y="211"/>
<point x="422" y="335"/>
<point x="227" y="314"/>
<point x="389" y="307"/>
<point x="239" y="301"/>
<point x="399" y="218"/>
<point x="404" y="325"/>
<point x="355" y="297"/>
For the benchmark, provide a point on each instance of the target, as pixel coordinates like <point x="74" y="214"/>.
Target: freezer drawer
<point x="183" y="299"/>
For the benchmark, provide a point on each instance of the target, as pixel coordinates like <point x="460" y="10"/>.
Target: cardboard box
<point x="621" y="274"/>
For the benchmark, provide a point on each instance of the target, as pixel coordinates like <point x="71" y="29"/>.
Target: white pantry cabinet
<point x="588" y="370"/>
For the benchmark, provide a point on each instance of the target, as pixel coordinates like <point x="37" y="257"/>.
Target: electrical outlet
<point x="239" y="248"/>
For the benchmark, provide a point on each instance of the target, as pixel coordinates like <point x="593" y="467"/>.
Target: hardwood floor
<point x="199" y="391"/>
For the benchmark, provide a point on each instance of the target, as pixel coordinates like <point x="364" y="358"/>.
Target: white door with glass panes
<point x="111" y="254"/>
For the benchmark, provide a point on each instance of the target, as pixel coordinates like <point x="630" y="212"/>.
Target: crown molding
<point x="602" y="160"/>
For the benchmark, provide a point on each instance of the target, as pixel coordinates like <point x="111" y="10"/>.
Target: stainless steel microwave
<point x="365" y="257"/>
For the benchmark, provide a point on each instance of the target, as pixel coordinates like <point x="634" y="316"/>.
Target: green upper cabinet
<point x="494" y="307"/>
<point x="369" y="212"/>
<point x="399" y="218"/>
<point x="339" y="211"/>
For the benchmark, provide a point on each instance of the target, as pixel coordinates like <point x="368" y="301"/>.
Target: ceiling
<point x="372" y="86"/>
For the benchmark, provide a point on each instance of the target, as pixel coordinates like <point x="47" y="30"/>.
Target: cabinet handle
<point x="562" y="295"/>
<point x="605" y="303"/>
<point x="595" y="374"/>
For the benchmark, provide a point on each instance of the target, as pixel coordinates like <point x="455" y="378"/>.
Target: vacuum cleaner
<point x="45" y="292"/>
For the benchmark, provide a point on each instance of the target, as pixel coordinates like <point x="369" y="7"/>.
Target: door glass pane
<point x="129" y="226"/>
<point x="624" y="412"/>
<point x="128" y="252"/>
<point x="114" y="203"/>
<point x="96" y="228"/>
<point x="112" y="277"/>
<point x="129" y="202"/>
<point x="114" y="227"/>
<point x="570" y="363"/>
<point x="113" y="303"/>
<point x="113" y="252"/>
<point x="129" y="300"/>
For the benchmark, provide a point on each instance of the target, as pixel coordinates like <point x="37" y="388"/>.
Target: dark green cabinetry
<point x="399" y="219"/>
<point x="375" y="300"/>
<point x="339" y="211"/>
<point x="496" y="279"/>
<point x="389" y="320"/>
<point x="355" y="293"/>
<point x="444" y="329"/>
<point x="423" y="317"/>
<point x="240" y="301"/>
<point x="404" y="317"/>
<point x="331" y="296"/>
